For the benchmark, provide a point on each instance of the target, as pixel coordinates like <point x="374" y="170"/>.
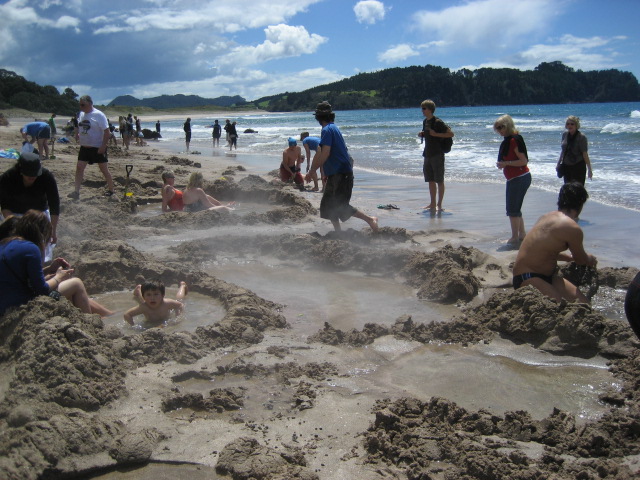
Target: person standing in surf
<point x="512" y="160"/>
<point x="433" y="130"/>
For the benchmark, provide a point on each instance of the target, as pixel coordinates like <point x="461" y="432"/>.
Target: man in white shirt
<point x="93" y="135"/>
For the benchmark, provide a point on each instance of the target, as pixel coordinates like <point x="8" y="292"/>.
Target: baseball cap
<point x="29" y="164"/>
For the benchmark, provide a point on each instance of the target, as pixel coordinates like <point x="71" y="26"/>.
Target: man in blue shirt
<point x="335" y="159"/>
<point x="312" y="144"/>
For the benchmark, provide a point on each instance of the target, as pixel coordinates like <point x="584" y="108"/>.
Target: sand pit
<point x="275" y="384"/>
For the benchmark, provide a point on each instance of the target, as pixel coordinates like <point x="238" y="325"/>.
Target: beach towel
<point x="10" y="153"/>
<point x="63" y="140"/>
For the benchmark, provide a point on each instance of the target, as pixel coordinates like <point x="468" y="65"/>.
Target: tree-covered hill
<point x="407" y="87"/>
<point x="177" y="101"/>
<point x="17" y="92"/>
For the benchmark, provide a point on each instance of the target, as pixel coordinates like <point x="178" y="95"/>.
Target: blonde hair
<point x="430" y="104"/>
<point x="196" y="180"/>
<point x="574" y="119"/>
<point x="509" y="125"/>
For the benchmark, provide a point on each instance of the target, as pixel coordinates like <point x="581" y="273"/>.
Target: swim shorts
<point x="335" y="200"/>
<point x="91" y="155"/>
<point x="518" y="279"/>
<point x="433" y="168"/>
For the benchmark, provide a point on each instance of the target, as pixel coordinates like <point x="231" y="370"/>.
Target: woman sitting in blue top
<point x="22" y="277"/>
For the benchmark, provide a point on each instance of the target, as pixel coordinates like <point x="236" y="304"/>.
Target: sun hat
<point x="29" y="164"/>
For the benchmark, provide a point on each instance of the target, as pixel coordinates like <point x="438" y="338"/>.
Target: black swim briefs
<point x="518" y="279"/>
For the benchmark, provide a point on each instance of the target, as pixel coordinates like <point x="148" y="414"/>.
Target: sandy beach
<point x="307" y="354"/>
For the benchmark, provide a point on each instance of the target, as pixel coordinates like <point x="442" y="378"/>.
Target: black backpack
<point x="445" y="143"/>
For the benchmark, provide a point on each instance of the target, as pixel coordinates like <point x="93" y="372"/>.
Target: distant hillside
<point x="176" y="101"/>
<point x="407" y="87"/>
<point x="18" y="92"/>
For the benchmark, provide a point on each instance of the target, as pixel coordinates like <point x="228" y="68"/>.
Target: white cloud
<point x="221" y="17"/>
<point x="583" y="53"/>
<point x="398" y="53"/>
<point x="281" y="41"/>
<point x="369" y="11"/>
<point x="486" y="22"/>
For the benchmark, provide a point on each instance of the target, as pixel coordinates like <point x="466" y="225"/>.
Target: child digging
<point x="152" y="304"/>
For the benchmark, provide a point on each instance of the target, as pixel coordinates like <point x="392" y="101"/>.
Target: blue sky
<point x="254" y="48"/>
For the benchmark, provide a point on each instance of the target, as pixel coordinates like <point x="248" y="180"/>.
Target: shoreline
<point x="318" y="341"/>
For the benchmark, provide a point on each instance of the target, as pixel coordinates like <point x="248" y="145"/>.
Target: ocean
<point x="386" y="142"/>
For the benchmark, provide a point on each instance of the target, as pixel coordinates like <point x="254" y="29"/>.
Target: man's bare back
<point x="546" y="244"/>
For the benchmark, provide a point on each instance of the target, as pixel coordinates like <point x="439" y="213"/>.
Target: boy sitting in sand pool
<point x="152" y="304"/>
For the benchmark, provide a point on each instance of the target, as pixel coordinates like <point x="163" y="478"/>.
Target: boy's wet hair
<point x="152" y="285"/>
<point x="572" y="196"/>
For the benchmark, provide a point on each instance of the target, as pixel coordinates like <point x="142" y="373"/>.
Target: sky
<point x="255" y="48"/>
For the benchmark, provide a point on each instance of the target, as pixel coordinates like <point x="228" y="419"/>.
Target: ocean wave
<point x="635" y="114"/>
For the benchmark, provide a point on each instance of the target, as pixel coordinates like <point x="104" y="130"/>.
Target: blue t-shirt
<point x="21" y="275"/>
<point x="313" y="142"/>
<point x="33" y="129"/>
<point x="338" y="161"/>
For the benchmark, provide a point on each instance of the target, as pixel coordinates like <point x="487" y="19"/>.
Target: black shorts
<point x="337" y="194"/>
<point x="91" y="155"/>
<point x="187" y="136"/>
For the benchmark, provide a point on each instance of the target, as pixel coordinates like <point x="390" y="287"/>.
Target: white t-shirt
<point x="91" y="127"/>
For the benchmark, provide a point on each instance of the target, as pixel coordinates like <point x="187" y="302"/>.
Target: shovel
<point x="127" y="193"/>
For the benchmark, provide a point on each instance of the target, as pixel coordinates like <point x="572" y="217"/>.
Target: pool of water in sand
<point x="199" y="310"/>
<point x="499" y="376"/>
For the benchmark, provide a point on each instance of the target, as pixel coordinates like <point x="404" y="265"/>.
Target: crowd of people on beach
<point x="31" y="206"/>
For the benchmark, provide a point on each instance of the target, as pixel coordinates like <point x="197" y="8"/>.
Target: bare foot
<point x="315" y="189"/>
<point x="513" y="241"/>
<point x="373" y="224"/>
<point x="429" y="207"/>
<point x="137" y="294"/>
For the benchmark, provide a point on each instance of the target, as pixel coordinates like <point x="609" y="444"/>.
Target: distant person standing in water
<point x="187" y="132"/>
<point x="433" y="130"/>
<point x="335" y="158"/>
<point x="513" y="160"/>
<point x="233" y="136"/>
<point x="158" y="126"/>
<point x="574" y="163"/>
<point x="216" y="133"/>
<point x="227" y="126"/>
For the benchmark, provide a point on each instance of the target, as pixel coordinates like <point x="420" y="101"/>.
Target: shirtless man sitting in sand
<point x="545" y="245"/>
<point x="152" y="304"/>
<point x="290" y="166"/>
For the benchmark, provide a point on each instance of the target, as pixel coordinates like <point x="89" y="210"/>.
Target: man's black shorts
<point x="337" y="194"/>
<point x="91" y="155"/>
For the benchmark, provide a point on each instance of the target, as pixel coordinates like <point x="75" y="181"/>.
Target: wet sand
<point x="398" y="355"/>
